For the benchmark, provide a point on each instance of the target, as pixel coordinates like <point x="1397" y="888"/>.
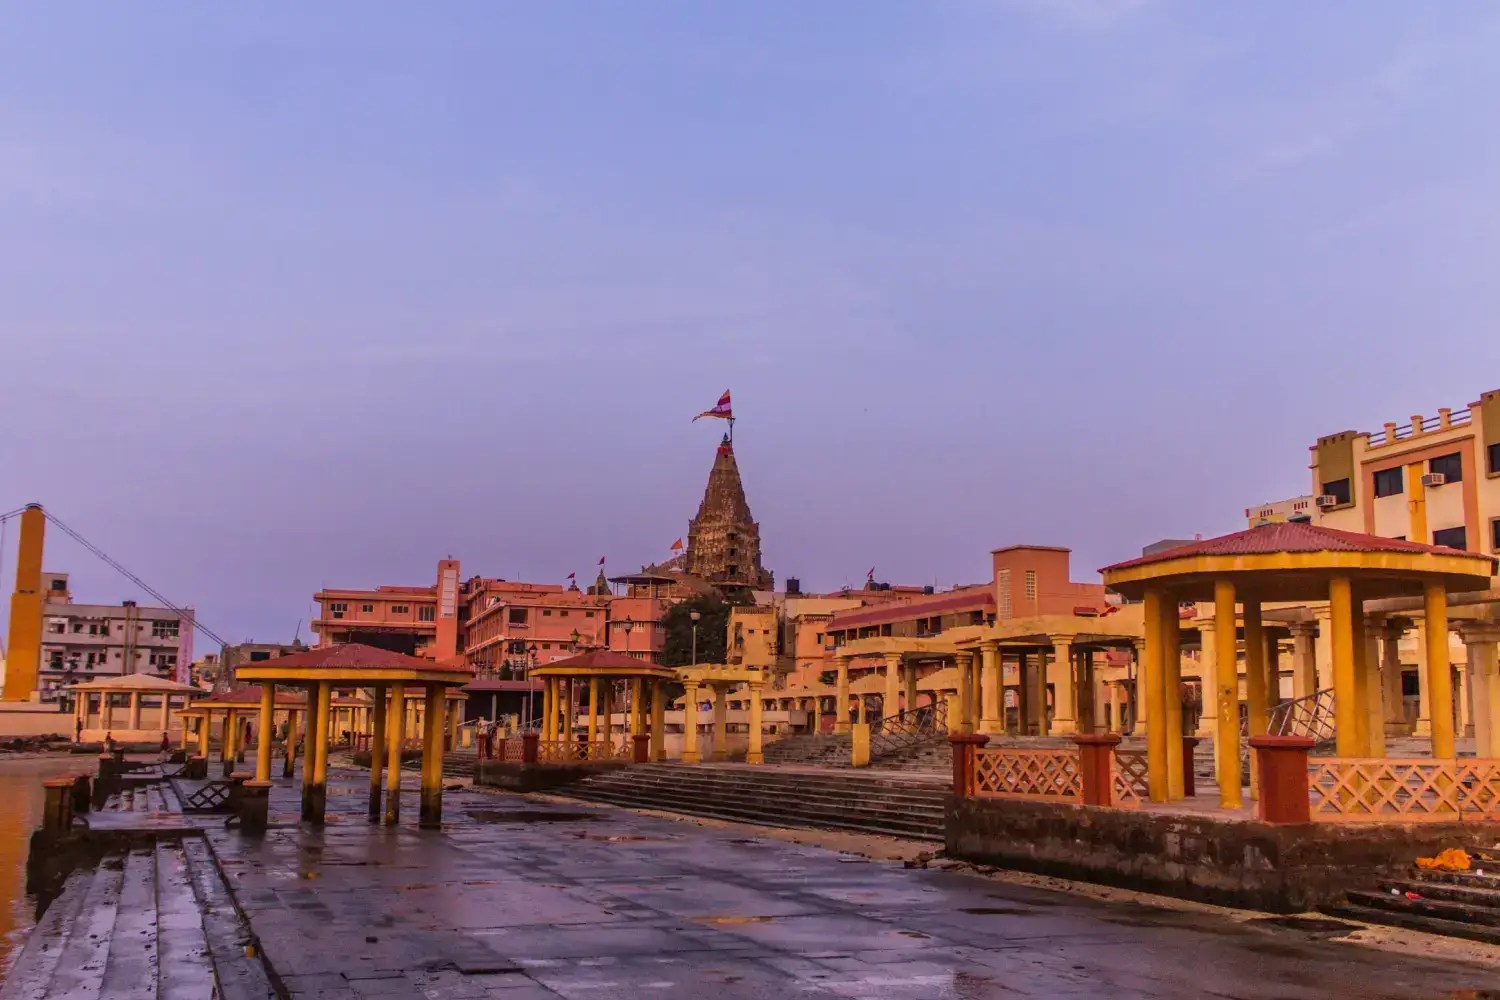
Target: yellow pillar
<point x="320" y="749"/>
<point x="1347" y="713"/>
<point x="841" y="720"/>
<point x="377" y="749"/>
<point x="1255" y="681"/>
<point x="263" y="748"/>
<point x="291" y="742"/>
<point x="205" y="724"/>
<point x="395" y="730"/>
<point x="135" y="710"/>
<point x="909" y="693"/>
<point x="753" y="750"/>
<point x="1154" y="674"/>
<point x="452" y="713"/>
<point x="24" y="642"/>
<point x="1304" y="660"/>
<point x="1171" y="687"/>
<point x="231" y="741"/>
<point x="430" y="812"/>
<point x="892" y="700"/>
<point x="963" y="663"/>
<point x="1142" y="699"/>
<point x="1484" y="681"/>
<point x="1061" y="674"/>
<point x="690" y="725"/>
<point x="637" y="707"/>
<point x="1371" y="688"/>
<point x="658" y="720"/>
<point x="991" y="686"/>
<point x="721" y="722"/>
<point x="1036" y="693"/>
<point x="1226" y="670"/>
<point x="593" y="709"/>
<point x="609" y="711"/>
<point x="1439" y="678"/>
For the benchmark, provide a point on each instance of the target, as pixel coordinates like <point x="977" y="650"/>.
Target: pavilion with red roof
<point x="602" y="670"/>
<point x="1286" y="562"/>
<point x="390" y="678"/>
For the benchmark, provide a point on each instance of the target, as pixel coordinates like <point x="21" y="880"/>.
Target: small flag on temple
<point x="721" y="409"/>
<point x="870" y="575"/>
<point x="601" y="560"/>
<point x="677" y="545"/>
<point x="572" y="576"/>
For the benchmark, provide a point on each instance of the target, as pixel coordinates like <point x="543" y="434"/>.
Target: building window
<point x="337" y="609"/>
<point x="63" y="584"/>
<point x="56" y="627"/>
<point x="367" y="608"/>
<point x="517" y="616"/>
<point x="1004" y="581"/>
<point x="427" y="613"/>
<point x="1339" y="490"/>
<point x="1031" y="584"/>
<point x="1451" y="467"/>
<point x="1390" y="482"/>
<point x="588" y="614"/>
<point x="733" y="570"/>
<point x="1493" y="451"/>
<point x="400" y="609"/>
<point x="1453" y="538"/>
<point x="257" y="655"/>
<point x="547" y="613"/>
<point x="1495" y="534"/>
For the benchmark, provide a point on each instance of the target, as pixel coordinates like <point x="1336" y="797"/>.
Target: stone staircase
<point x="862" y="801"/>
<point x="812" y="749"/>
<point x="1454" y="904"/>
<point x="155" y="922"/>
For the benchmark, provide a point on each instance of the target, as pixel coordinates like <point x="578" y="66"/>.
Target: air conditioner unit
<point x="1328" y="500"/>
<point x="1434" y="479"/>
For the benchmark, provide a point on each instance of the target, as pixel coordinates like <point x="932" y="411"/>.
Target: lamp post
<point x="530" y="665"/>
<point x="694" y="616"/>
<point x="629" y="627"/>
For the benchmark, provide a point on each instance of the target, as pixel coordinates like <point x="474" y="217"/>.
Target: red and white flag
<point x="677" y="545"/>
<point x="572" y="576"/>
<point x="721" y="409"/>
<point x="601" y="560"/>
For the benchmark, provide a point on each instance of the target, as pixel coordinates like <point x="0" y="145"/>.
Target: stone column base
<point x="1422" y="728"/>
<point x="255" y="806"/>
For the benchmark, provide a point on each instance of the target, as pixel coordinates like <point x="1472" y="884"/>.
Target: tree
<point x="713" y="630"/>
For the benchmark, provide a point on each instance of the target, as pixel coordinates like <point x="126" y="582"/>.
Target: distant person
<point x="249" y="732"/>
<point x="109" y="742"/>
<point x="166" y="745"/>
<point x="77" y="730"/>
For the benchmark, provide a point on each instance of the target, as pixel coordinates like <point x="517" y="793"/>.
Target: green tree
<point x="713" y="630"/>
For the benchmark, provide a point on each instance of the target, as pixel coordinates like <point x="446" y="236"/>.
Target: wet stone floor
<point x="517" y="898"/>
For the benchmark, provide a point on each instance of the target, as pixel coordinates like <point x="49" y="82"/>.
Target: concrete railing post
<point x="1096" y="755"/>
<point x="529" y="742"/>
<point x="57" y="805"/>
<point x="641" y="748"/>
<point x="1282" y="761"/>
<point x="859" y="744"/>
<point x="1189" y="779"/>
<point x="965" y="746"/>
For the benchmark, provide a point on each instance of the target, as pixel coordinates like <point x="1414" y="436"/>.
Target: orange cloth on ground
<point x="1451" y="860"/>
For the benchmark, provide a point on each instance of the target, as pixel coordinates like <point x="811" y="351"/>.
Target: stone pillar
<point x="1226" y="669"/>
<point x="637" y="707"/>
<point x="230" y="739"/>
<point x="1282" y="763"/>
<point x="1484" y="680"/>
<point x="263" y="748"/>
<point x="1095" y="759"/>
<point x="1374" y="685"/>
<point x="1061" y="675"/>
<point x="593" y="709"/>
<point x="1083" y="666"/>
<point x="1304" y="660"/>
<point x="1323" y="650"/>
<point x="608" y="709"/>
<point x="690" y="724"/>
<point x="315" y="789"/>
<point x="841" y="719"/>
<point x="910" y="693"/>
<point x="992" y="689"/>
<point x="965" y="746"/>
<point x="1153" y="673"/>
<point x="1139" y="702"/>
<point x="658" y="720"/>
<point x="1465" y="701"/>
<point x="1274" y="694"/>
<point x="430" y="811"/>
<point x="1171" y="623"/>
<point x="1346" y="707"/>
<point x="395" y="731"/>
<point x="963" y="665"/>
<point x="452" y="711"/>
<point x="1255" y="681"/>
<point x="753" y="751"/>
<point x="1036" y="693"/>
<point x="135" y="710"/>
<point x="205" y="726"/>
<point x="291" y="742"/>
<point x="107" y="711"/>
<point x="1439" y="676"/>
<point x="721" y="722"/>
<point x="1424" y="690"/>
<point x="1208" y="721"/>
<point x="891" y="700"/>
<point x="377" y="752"/>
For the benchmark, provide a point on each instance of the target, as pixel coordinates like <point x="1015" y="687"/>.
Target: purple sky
<point x="300" y="294"/>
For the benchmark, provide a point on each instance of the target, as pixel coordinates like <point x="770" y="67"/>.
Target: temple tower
<point x="723" y="545"/>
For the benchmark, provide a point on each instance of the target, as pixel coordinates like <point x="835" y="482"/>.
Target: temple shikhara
<point x="723" y="546"/>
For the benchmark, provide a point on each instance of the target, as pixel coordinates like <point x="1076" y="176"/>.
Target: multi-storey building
<point x="1291" y="509"/>
<point x="508" y="626"/>
<point x="1434" y="479"/>
<point x="417" y="621"/>
<point x="84" y="642"/>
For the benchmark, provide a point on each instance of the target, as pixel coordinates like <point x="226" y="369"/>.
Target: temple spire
<point x="724" y="539"/>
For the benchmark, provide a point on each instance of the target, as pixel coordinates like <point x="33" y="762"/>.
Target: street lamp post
<point x="530" y="684"/>
<point x="695" y="615"/>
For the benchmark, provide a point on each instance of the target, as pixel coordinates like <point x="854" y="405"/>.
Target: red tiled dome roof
<point x="1289" y="536"/>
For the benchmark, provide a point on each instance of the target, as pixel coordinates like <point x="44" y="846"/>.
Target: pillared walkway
<point x="517" y="898"/>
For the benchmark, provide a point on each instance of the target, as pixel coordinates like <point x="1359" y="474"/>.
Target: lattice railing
<point x="1131" y="786"/>
<point x="1007" y="772"/>
<point x="913" y="727"/>
<point x="514" y="750"/>
<point x="576" y="751"/>
<point x="1353" y="789"/>
<point x="1310" y="716"/>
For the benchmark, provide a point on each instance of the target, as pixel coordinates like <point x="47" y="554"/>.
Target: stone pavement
<point x="517" y="898"/>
